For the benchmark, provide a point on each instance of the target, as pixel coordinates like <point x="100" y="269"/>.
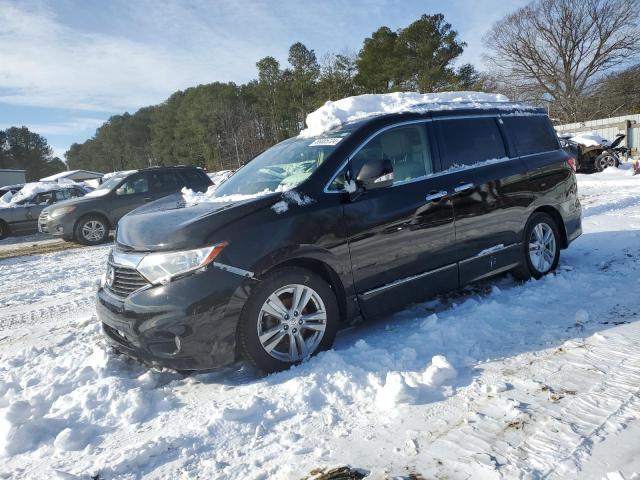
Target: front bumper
<point x="62" y="225"/>
<point x="187" y="324"/>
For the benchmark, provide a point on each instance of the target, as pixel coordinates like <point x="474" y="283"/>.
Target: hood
<point x="169" y="224"/>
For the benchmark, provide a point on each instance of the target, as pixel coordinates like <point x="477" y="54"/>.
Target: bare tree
<point x="557" y="50"/>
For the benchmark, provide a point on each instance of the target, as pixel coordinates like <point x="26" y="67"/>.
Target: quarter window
<point x="531" y="133"/>
<point x="470" y="140"/>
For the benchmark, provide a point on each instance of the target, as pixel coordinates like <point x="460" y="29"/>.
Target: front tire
<point x="601" y="162"/>
<point x="291" y="315"/>
<point x="92" y="230"/>
<point x="540" y="247"/>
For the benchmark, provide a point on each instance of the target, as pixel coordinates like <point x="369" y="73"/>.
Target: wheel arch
<point x="327" y="273"/>
<point x="557" y="217"/>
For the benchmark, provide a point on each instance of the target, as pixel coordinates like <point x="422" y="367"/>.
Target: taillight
<point x="572" y="163"/>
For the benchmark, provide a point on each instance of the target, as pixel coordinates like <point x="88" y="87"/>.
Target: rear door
<point x="401" y="238"/>
<point x="163" y="183"/>
<point x="196" y="179"/>
<point x="490" y="194"/>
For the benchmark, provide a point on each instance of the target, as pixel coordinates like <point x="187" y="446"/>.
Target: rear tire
<point x="275" y="333"/>
<point x="540" y="247"/>
<point x="91" y="230"/>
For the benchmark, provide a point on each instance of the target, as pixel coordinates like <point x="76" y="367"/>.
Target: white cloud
<point x="67" y="127"/>
<point x="45" y="63"/>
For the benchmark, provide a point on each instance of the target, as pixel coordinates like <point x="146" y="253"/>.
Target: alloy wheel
<point x="93" y="231"/>
<point x="542" y="247"/>
<point x="292" y="322"/>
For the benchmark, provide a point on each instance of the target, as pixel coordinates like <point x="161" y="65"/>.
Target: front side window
<point x="282" y="166"/>
<point x="134" y="184"/>
<point x="61" y="195"/>
<point x="44" y="198"/>
<point x="469" y="141"/>
<point x="405" y="146"/>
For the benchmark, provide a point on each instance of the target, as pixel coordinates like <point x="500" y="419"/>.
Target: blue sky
<point x="66" y="66"/>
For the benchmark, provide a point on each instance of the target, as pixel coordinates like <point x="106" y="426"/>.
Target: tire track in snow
<point x="559" y="443"/>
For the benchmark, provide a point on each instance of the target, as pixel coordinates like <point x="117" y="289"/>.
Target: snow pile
<point x="334" y="114"/>
<point x="291" y="197"/>
<point x="66" y="402"/>
<point x="592" y="139"/>
<point x="28" y="191"/>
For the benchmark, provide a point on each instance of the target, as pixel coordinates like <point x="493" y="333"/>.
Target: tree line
<point x="577" y="58"/>
<point x="223" y="125"/>
<point x="26" y="150"/>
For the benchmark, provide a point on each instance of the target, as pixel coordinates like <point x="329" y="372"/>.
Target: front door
<point x="132" y="193"/>
<point x="401" y="238"/>
<point x="490" y="196"/>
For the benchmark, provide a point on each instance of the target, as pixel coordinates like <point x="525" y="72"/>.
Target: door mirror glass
<point x="375" y="174"/>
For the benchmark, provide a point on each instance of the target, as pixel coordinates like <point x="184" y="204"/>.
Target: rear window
<point x="469" y="140"/>
<point x="531" y="133"/>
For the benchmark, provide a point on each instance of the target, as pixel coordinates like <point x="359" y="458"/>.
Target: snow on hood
<point x="590" y="139"/>
<point x="334" y="114"/>
<point x="193" y="198"/>
<point x="28" y="191"/>
<point x="107" y="176"/>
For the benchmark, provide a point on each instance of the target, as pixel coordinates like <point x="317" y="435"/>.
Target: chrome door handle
<point x="436" y="196"/>
<point x="463" y="187"/>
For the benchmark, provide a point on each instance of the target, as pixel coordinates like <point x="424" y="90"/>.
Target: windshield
<point x="105" y="187"/>
<point x="281" y="167"/>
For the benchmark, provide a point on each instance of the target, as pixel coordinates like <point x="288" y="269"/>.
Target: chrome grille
<point x="125" y="280"/>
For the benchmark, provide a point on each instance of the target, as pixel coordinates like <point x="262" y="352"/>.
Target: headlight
<point x="58" y="212"/>
<point x="162" y="267"/>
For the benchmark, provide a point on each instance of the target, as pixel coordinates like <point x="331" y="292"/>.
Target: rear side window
<point x="531" y="133"/>
<point x="469" y="140"/>
<point x="195" y="178"/>
<point x="164" y="180"/>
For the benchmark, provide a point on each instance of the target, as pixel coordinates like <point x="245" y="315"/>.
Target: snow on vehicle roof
<point x="592" y="139"/>
<point x="28" y="191"/>
<point x="335" y="114"/>
<point x="119" y="173"/>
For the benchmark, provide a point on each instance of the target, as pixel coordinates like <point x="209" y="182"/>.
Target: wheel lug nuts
<point x="286" y="327"/>
<point x="286" y="317"/>
<point x="300" y="322"/>
<point x="294" y="330"/>
<point x="295" y="314"/>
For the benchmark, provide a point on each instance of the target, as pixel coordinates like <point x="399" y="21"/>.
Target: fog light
<point x="178" y="344"/>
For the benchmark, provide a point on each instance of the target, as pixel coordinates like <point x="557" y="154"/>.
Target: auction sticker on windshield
<point x="325" y="141"/>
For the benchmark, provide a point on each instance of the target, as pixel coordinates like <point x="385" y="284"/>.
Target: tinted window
<point x="531" y="133"/>
<point x="74" y="192"/>
<point x="133" y="184"/>
<point x="469" y="140"/>
<point x="195" y="178"/>
<point x="164" y="181"/>
<point x="405" y="146"/>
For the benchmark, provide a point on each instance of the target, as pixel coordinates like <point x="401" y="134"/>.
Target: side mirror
<point x="375" y="174"/>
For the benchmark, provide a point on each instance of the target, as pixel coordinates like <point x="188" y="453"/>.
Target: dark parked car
<point x="385" y="212"/>
<point x="88" y="220"/>
<point x="20" y="215"/>
<point x="595" y="157"/>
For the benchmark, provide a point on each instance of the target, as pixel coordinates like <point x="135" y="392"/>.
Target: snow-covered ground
<point x="503" y="380"/>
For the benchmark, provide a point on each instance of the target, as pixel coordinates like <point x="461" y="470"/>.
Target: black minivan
<point x="319" y="232"/>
